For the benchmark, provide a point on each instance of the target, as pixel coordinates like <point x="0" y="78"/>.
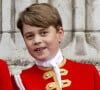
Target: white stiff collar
<point x="51" y="62"/>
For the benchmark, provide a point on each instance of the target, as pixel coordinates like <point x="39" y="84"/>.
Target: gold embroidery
<point x="45" y="68"/>
<point x="56" y="81"/>
<point x="48" y="75"/>
<point x="66" y="83"/>
<point x="51" y="86"/>
<point x="55" y="84"/>
<point x="63" y="63"/>
<point x="63" y="72"/>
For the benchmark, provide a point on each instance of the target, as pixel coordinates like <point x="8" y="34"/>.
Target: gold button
<point x="47" y="74"/>
<point x="50" y="86"/>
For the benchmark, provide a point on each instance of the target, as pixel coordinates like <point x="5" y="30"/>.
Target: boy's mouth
<point x="39" y="49"/>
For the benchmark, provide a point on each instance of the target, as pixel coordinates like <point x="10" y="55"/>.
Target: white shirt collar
<point x="54" y="61"/>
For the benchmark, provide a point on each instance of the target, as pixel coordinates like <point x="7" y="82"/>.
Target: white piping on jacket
<point x="19" y="81"/>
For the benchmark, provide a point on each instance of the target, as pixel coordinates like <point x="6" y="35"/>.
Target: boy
<point x="41" y="27"/>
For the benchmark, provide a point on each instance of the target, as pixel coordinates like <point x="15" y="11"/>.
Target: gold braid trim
<point x="66" y="83"/>
<point x="63" y="71"/>
<point x="48" y="75"/>
<point x="51" y="85"/>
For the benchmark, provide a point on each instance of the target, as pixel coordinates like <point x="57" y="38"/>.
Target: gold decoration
<point x="63" y="71"/>
<point x="51" y="74"/>
<point x="48" y="75"/>
<point x="66" y="83"/>
<point x="51" y="86"/>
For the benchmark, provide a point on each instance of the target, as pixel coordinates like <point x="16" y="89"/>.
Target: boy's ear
<point x="61" y="34"/>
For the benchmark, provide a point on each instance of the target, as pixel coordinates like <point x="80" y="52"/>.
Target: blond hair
<point x="39" y="15"/>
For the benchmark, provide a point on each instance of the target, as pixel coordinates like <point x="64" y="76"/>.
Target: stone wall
<point x="81" y="23"/>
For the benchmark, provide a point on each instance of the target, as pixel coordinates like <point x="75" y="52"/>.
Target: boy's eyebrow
<point x="43" y="29"/>
<point x="27" y="33"/>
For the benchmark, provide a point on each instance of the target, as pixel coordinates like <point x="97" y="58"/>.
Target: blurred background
<point x="81" y="23"/>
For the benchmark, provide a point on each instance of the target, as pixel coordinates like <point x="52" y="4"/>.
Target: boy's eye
<point x="29" y="36"/>
<point x="44" y="33"/>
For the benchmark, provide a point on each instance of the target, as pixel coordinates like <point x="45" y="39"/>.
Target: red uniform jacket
<point x="5" y="80"/>
<point x="75" y="76"/>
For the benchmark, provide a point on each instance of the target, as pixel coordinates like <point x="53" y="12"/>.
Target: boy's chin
<point x="41" y="59"/>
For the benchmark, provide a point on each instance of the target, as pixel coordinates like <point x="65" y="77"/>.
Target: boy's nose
<point x="37" y="40"/>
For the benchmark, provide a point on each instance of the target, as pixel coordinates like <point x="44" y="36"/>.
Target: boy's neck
<point x="49" y="63"/>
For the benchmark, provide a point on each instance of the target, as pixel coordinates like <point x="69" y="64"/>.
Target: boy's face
<point x="42" y="43"/>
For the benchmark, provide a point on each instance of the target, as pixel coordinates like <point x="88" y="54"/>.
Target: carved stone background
<point x="81" y="23"/>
